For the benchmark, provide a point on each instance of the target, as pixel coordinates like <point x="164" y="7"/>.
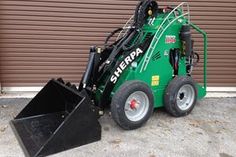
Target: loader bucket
<point x="56" y="119"/>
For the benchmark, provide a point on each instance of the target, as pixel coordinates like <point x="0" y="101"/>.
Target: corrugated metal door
<point x="41" y="39"/>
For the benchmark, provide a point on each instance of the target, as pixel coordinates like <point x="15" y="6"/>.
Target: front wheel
<point x="132" y="105"/>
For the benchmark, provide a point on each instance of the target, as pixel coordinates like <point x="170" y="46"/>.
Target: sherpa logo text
<point x="122" y="66"/>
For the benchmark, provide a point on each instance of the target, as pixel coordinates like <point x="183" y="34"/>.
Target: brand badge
<point x="124" y="64"/>
<point x="170" y="39"/>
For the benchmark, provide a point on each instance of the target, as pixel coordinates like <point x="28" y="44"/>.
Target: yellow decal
<point x="155" y="80"/>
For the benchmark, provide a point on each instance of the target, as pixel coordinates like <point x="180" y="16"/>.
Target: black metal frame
<point x="101" y="69"/>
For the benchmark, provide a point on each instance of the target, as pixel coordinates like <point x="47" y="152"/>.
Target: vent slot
<point x="148" y="35"/>
<point x="156" y="56"/>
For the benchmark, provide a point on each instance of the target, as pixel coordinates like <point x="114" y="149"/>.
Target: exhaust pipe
<point x="56" y="119"/>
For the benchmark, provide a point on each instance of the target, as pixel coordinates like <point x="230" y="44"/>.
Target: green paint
<point x="202" y="90"/>
<point x="161" y="67"/>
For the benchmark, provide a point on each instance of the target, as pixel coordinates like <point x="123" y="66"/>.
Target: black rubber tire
<point x="118" y="104"/>
<point x="170" y="98"/>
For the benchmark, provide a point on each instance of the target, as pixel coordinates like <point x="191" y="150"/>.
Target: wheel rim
<point x="136" y="106"/>
<point x="185" y="97"/>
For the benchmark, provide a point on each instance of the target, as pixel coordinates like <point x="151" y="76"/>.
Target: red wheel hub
<point x="133" y="104"/>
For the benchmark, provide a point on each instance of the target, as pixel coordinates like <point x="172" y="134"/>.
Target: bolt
<point x="101" y="113"/>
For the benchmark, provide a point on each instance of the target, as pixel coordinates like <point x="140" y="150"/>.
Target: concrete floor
<point x="209" y="131"/>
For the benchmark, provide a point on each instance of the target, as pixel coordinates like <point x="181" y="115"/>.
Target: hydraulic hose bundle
<point x="132" y="39"/>
<point x="143" y="10"/>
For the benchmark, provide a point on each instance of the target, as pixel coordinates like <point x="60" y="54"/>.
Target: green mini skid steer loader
<point x="148" y="66"/>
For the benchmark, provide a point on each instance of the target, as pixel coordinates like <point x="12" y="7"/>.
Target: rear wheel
<point x="132" y="105"/>
<point x="180" y="96"/>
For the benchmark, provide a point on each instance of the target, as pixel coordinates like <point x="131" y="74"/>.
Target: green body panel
<point x="159" y="68"/>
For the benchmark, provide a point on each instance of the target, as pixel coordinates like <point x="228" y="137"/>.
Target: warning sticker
<point x="155" y="80"/>
<point x="170" y="39"/>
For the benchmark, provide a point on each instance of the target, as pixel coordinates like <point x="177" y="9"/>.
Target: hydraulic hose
<point x="140" y="17"/>
<point x="111" y="35"/>
<point x="139" y="36"/>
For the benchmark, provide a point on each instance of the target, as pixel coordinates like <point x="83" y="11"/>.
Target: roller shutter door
<point x="42" y="39"/>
